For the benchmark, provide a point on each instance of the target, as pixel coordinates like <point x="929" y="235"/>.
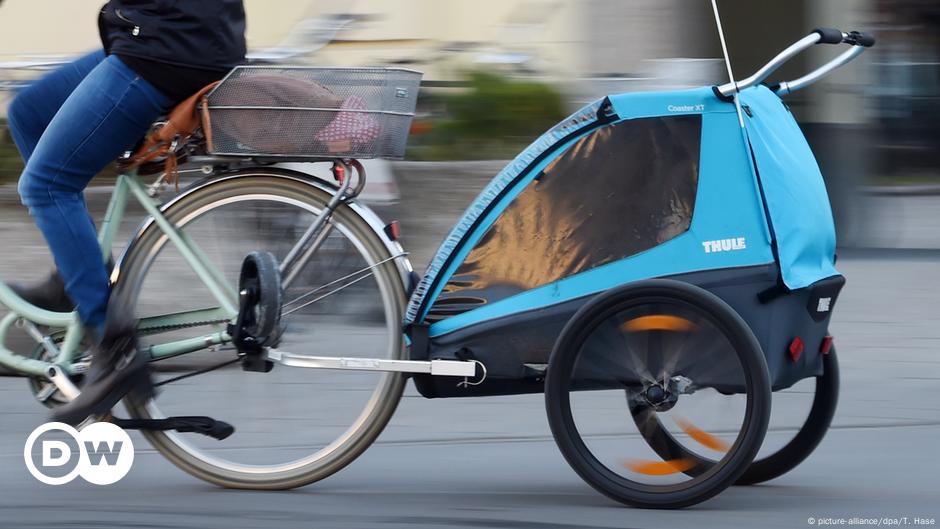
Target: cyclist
<point x="72" y="123"/>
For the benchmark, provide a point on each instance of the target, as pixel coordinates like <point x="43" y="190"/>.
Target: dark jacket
<point x="207" y="34"/>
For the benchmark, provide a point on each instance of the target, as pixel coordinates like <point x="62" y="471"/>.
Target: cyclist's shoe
<point x="117" y="370"/>
<point x="48" y="294"/>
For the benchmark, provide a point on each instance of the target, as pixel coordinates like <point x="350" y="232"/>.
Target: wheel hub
<point x="659" y="397"/>
<point x="663" y="396"/>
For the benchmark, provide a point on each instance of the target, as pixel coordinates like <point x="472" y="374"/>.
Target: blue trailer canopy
<point x="793" y="187"/>
<point x="632" y="187"/>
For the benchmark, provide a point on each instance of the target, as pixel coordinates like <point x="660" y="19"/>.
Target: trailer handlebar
<point x="858" y="40"/>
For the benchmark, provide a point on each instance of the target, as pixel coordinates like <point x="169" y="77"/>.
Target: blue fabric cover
<point x="798" y="204"/>
<point x="728" y="205"/>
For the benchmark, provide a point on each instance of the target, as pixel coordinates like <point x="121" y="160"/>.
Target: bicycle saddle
<point x="167" y="135"/>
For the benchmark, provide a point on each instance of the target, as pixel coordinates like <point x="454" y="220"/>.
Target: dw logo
<point x="101" y="453"/>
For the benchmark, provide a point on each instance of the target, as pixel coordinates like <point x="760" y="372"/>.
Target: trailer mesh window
<point x="620" y="190"/>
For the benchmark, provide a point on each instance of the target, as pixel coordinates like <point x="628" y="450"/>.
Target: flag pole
<point x="724" y="50"/>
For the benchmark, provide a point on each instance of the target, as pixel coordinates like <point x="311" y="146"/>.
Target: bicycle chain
<point x="144" y="331"/>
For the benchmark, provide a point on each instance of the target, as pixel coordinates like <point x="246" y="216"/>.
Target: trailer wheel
<point x="808" y="437"/>
<point x="789" y="456"/>
<point x="685" y="359"/>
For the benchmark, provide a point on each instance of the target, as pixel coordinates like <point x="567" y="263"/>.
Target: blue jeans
<point x="68" y="126"/>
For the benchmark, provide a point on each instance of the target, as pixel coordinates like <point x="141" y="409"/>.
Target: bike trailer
<point x="632" y="187"/>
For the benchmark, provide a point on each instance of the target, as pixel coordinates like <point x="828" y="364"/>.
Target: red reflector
<point x="393" y="230"/>
<point x="826" y="345"/>
<point x="339" y="172"/>
<point x="796" y="349"/>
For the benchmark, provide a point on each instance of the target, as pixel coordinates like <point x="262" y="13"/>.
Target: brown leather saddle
<point x="163" y="141"/>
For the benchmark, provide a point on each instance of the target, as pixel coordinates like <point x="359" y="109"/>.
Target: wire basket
<point x="302" y="112"/>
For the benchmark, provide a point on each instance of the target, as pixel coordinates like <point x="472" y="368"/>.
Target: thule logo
<point x="725" y="245"/>
<point x="824" y="305"/>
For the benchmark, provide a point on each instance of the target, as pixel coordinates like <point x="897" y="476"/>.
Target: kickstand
<point x="202" y="425"/>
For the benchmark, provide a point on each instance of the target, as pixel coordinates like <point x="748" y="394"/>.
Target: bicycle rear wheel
<point x="293" y="426"/>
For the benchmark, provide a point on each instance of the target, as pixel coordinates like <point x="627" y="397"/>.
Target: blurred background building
<point x="534" y="60"/>
<point x="574" y="41"/>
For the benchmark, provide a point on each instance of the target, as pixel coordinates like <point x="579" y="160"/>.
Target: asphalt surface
<point x="491" y="462"/>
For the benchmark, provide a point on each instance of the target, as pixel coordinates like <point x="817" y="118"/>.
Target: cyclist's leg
<point x="28" y="115"/>
<point x="34" y="106"/>
<point x="109" y="110"/>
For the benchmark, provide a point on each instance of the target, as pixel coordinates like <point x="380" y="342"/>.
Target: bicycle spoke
<point x="328" y="294"/>
<point x="347" y="276"/>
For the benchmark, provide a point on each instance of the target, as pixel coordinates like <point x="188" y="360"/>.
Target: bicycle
<point x="183" y="234"/>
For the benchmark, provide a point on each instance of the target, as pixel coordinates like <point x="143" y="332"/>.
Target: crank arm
<point x="58" y="376"/>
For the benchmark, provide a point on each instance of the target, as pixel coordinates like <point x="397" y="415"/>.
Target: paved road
<point x="491" y="462"/>
<point x="481" y="463"/>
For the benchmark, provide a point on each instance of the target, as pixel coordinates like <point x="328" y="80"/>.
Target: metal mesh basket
<point x="301" y="112"/>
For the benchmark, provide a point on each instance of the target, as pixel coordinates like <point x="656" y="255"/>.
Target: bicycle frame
<point x="24" y="314"/>
<point x="65" y="355"/>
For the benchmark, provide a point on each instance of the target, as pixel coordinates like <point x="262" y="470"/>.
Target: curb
<point x="912" y="190"/>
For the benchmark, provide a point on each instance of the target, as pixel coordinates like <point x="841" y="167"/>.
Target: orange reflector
<point x="704" y="438"/>
<point x="659" y="468"/>
<point x="660" y="322"/>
